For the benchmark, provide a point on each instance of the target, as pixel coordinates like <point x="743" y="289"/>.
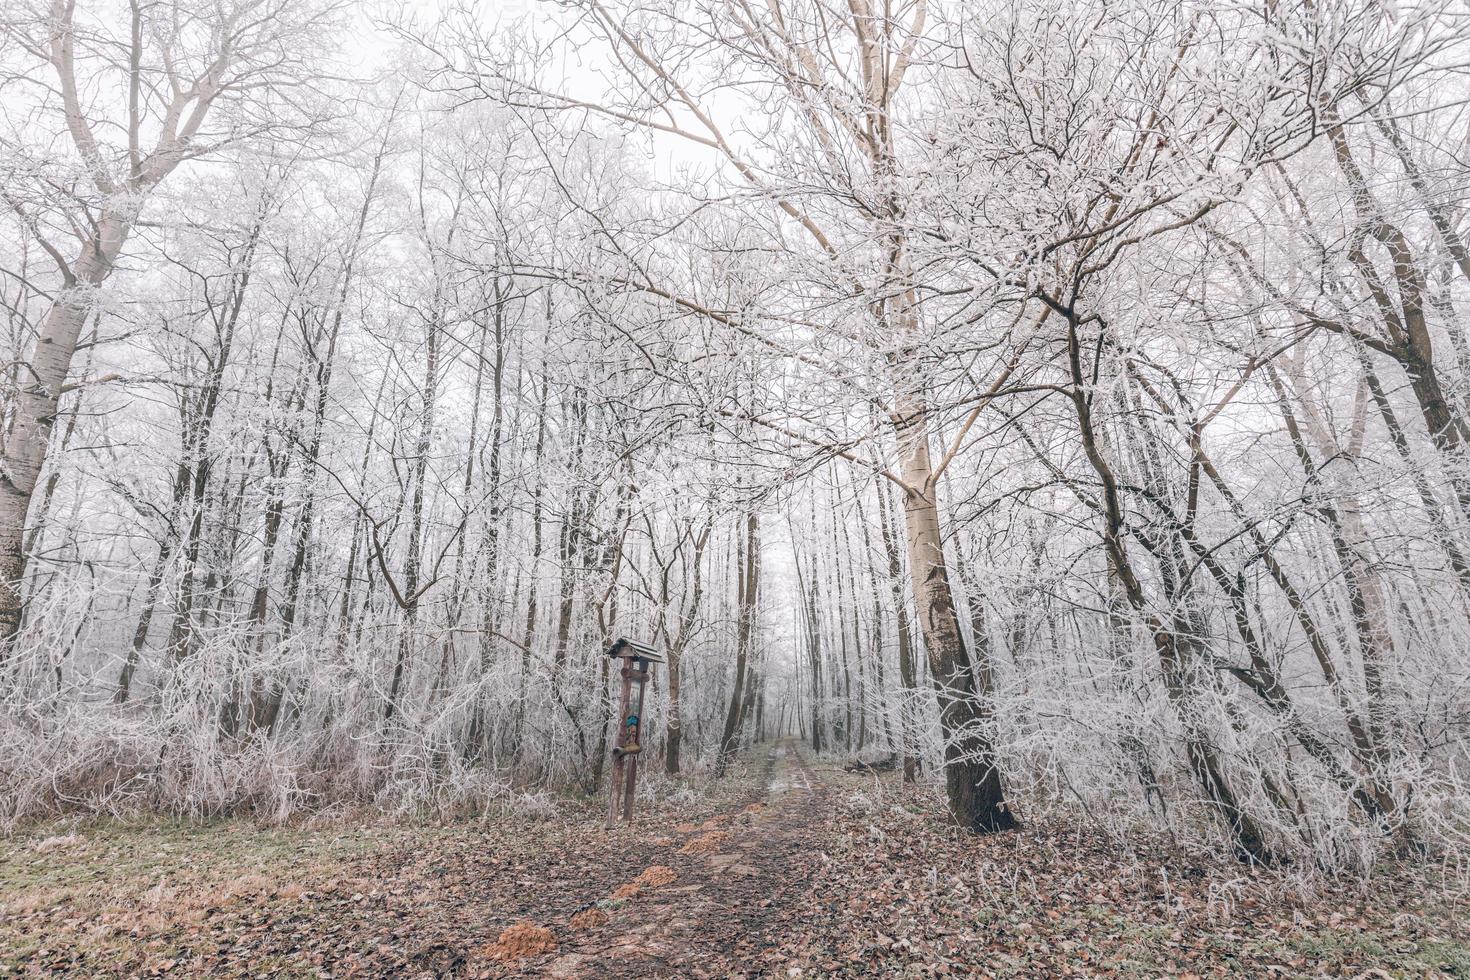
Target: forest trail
<point x="735" y="876"/>
<point x="782" y="870"/>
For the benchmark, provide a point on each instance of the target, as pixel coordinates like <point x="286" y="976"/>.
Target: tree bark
<point x="907" y="674"/>
<point x="973" y="783"/>
<point x="747" y="587"/>
<point x="1176" y="663"/>
<point x="35" y="406"/>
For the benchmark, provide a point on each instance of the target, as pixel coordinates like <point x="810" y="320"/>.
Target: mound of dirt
<point x="630" y="890"/>
<point x="521" y="940"/>
<point x="656" y="875"/>
<point x="705" y="843"/>
<point x="588" y="918"/>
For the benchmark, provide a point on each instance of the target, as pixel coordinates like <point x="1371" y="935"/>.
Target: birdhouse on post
<point x="638" y="661"/>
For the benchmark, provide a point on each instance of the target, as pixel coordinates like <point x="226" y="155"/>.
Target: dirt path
<point x="733" y="882"/>
<point x="775" y="872"/>
<point x="712" y="896"/>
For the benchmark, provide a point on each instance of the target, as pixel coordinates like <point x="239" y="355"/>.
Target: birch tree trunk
<point x="36" y="401"/>
<point x="973" y="784"/>
<point x="240" y="53"/>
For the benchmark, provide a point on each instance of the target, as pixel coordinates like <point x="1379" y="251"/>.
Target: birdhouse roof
<point x="630" y="649"/>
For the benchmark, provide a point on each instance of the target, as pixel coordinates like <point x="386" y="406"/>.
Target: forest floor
<point x="781" y="870"/>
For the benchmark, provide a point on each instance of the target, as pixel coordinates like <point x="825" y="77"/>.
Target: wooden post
<point x="637" y="662"/>
<point x="619" y="760"/>
<point x="639" y="674"/>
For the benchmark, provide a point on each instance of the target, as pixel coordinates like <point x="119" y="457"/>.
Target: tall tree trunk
<point x="876" y="646"/>
<point x="747" y="588"/>
<point x="35" y="403"/>
<point x="153" y="587"/>
<point x="907" y="674"/>
<point x="676" y="644"/>
<point x="490" y="546"/>
<point x="847" y="609"/>
<point x="528" y="633"/>
<point x="674" y="739"/>
<point x="973" y="784"/>
<point x="198" y="411"/>
<point x="1179" y="669"/>
<point x="806" y="593"/>
<point x="418" y="474"/>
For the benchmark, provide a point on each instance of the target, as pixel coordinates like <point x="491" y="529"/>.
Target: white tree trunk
<point x="973" y="784"/>
<point x="33" y="413"/>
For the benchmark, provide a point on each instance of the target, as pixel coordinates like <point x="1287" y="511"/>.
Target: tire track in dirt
<point x="736" y="880"/>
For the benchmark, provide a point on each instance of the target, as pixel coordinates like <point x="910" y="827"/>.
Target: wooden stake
<point x="619" y="766"/>
<point x="640" y="670"/>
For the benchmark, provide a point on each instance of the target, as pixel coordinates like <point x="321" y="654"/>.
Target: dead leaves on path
<point x="521" y="940"/>
<point x="525" y="939"/>
<point x="653" y="876"/>
<point x="706" y="843"/>
<point x="905" y="895"/>
<point x="656" y="875"/>
<point x="344" y="898"/>
<point x="588" y="918"/>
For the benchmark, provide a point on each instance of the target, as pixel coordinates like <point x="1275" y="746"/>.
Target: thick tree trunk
<point x="34" y="410"/>
<point x="972" y="781"/>
<point x="53" y="478"/>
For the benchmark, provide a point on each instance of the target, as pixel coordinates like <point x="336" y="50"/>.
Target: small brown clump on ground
<point x="754" y="808"/>
<point x="588" y="918"/>
<point x="655" y="875"/>
<point x="521" y="940"/>
<point x="714" y="822"/>
<point x="630" y="890"/>
<point x="687" y="828"/>
<point x="705" y="843"/>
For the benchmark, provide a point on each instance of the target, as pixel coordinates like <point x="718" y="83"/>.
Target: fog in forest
<point x="1056" y="412"/>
